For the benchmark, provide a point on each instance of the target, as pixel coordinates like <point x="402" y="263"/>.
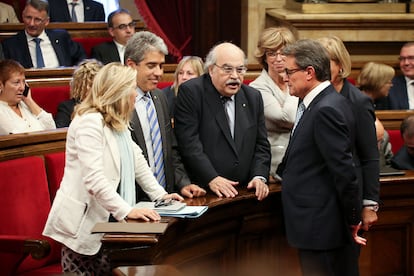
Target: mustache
<point x="232" y="82"/>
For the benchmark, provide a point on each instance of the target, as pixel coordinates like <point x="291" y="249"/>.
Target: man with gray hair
<point x="319" y="180"/>
<point x="39" y="47"/>
<point x="220" y="128"/>
<point x="151" y="123"/>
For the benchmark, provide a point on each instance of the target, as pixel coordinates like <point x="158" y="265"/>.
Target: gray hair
<point x="40" y="5"/>
<point x="143" y="42"/>
<point x="308" y="52"/>
<point x="211" y="57"/>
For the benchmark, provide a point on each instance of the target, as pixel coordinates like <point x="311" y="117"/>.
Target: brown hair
<point x="9" y="67"/>
<point x="83" y="77"/>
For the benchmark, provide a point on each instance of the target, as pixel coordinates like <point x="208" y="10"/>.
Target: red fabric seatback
<point x="89" y="42"/>
<point x="49" y="97"/>
<point x="55" y="165"/>
<point x="395" y="139"/>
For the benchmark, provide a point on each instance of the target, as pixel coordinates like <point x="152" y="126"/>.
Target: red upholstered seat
<point x="49" y="97"/>
<point x="395" y="139"/>
<point x="89" y="42"/>
<point x="24" y="207"/>
<point x="55" y="165"/>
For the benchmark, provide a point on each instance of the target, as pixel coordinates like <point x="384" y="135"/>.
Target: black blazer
<point x="106" y="52"/>
<point x="59" y="11"/>
<point x="204" y="139"/>
<point x="175" y="174"/>
<point x="397" y="97"/>
<point x="319" y="181"/>
<point x="64" y="113"/>
<point x="402" y="160"/>
<point x="366" y="154"/>
<point x="68" y="52"/>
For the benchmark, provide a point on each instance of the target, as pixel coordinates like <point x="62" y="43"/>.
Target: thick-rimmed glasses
<point x="407" y="58"/>
<point x="241" y="70"/>
<point x="290" y="72"/>
<point x="273" y="54"/>
<point x="131" y="24"/>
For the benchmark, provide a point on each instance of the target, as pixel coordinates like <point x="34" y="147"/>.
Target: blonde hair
<point x="338" y="53"/>
<point x="83" y="77"/>
<point x="195" y="62"/>
<point x="272" y="38"/>
<point x="374" y="76"/>
<point x="109" y="95"/>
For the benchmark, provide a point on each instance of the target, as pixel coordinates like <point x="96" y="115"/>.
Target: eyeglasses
<point x="241" y="70"/>
<point x="124" y="26"/>
<point x="273" y="54"/>
<point x="36" y="20"/>
<point x="290" y="72"/>
<point x="407" y="58"/>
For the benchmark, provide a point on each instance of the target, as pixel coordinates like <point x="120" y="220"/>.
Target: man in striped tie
<point x="151" y="123"/>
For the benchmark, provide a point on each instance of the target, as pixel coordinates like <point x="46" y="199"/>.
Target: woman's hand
<point x="144" y="214"/>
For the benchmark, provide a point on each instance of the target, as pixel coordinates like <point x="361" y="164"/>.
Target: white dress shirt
<point x="49" y="55"/>
<point x="80" y="14"/>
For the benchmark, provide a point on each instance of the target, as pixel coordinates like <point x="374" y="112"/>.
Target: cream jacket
<point x="88" y="191"/>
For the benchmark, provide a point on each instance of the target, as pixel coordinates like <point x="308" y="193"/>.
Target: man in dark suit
<point x="404" y="158"/>
<point x="121" y="27"/>
<point x="319" y="179"/>
<point x="57" y="47"/>
<point x="145" y="52"/>
<point x="86" y="10"/>
<point x="401" y="95"/>
<point x="219" y="124"/>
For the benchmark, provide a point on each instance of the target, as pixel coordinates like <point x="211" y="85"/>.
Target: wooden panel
<point x="391" y="119"/>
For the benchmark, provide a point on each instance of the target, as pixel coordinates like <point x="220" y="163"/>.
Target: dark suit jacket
<point x="175" y="174"/>
<point x="106" y="52"/>
<point x="204" y="137"/>
<point x="64" y="113"/>
<point x="319" y="182"/>
<point x="69" y="52"/>
<point x="366" y="155"/>
<point x="402" y="160"/>
<point x="397" y="97"/>
<point x="59" y="11"/>
<point x="169" y="93"/>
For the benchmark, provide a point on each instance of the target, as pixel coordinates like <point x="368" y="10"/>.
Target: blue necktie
<point x="73" y="12"/>
<point x="39" y="57"/>
<point x="299" y="113"/>
<point x="156" y="141"/>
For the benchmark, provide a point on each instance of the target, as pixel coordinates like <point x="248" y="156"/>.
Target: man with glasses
<point x="76" y="11"/>
<point x="220" y="128"/>
<point x="401" y="94"/>
<point x="121" y="27"/>
<point x="37" y="47"/>
<point x="319" y="180"/>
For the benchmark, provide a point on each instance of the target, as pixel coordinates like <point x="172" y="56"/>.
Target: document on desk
<point x="183" y="211"/>
<point x="133" y="228"/>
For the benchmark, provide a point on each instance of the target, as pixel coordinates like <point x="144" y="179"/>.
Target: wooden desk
<point x="242" y="233"/>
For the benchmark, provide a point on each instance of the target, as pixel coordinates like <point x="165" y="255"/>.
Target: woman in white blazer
<point x="279" y="106"/>
<point x="102" y="165"/>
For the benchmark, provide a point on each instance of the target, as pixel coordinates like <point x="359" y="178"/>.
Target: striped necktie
<point x="299" y="113"/>
<point x="156" y="140"/>
<point x="73" y="12"/>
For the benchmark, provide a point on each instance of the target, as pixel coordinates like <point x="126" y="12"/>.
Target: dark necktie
<point x="73" y="13"/>
<point x="156" y="141"/>
<point x="299" y="113"/>
<point x="39" y="56"/>
<point x="226" y="101"/>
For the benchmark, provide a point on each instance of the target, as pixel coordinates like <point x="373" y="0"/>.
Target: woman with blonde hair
<point x="279" y="106"/>
<point x="188" y="68"/>
<point x="102" y="165"/>
<point x="79" y="87"/>
<point x="366" y="155"/>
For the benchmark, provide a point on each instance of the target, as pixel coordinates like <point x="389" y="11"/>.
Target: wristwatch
<point x="373" y="207"/>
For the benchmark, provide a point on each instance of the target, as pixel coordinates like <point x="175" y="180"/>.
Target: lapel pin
<point x="244" y="105"/>
<point x="57" y="41"/>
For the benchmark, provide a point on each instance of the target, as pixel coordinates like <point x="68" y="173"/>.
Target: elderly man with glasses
<point x="38" y="47"/>
<point x="220" y="127"/>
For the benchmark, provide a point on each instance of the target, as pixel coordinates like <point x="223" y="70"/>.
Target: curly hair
<point x="83" y="77"/>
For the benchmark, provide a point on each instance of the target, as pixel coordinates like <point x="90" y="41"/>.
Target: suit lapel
<point x="161" y="118"/>
<point x="137" y="132"/>
<point x="113" y="52"/>
<point x="58" y="49"/>
<point x="242" y="117"/>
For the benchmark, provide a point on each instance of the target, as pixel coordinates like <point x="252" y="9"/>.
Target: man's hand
<point x="223" y="187"/>
<point x="369" y="217"/>
<point x="262" y="190"/>
<point x="358" y="239"/>
<point x="193" y="190"/>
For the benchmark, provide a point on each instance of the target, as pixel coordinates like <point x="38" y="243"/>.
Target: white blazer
<point x="88" y="191"/>
<point x="280" y="112"/>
